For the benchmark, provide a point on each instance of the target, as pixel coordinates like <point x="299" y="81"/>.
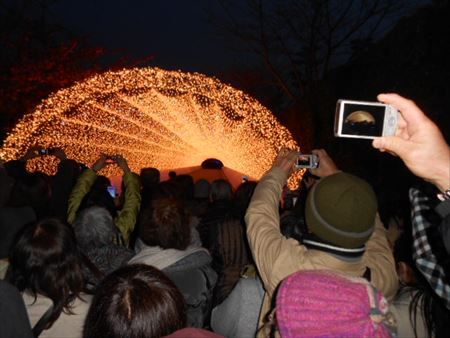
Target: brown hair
<point x="221" y="190"/>
<point x="165" y="224"/>
<point x="135" y="301"/>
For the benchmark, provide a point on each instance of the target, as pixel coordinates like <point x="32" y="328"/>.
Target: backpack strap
<point x="42" y="322"/>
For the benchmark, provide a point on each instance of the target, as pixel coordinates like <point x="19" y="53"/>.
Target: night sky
<point x="178" y="34"/>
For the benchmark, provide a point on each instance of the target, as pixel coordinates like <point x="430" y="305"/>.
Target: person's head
<point x="341" y="210"/>
<point x="165" y="224"/>
<point x="201" y="189"/>
<point x="12" y="220"/>
<point x="149" y="177"/>
<point x="185" y="184"/>
<point x="94" y="227"/>
<point x="101" y="183"/>
<point x="221" y="190"/>
<point x="424" y="300"/>
<point x="166" y="189"/>
<point x="45" y="261"/>
<point x="99" y="196"/>
<point x="32" y="190"/>
<point x="15" y="169"/>
<point x="243" y="195"/>
<point x="403" y="254"/>
<point x="316" y="303"/>
<point x="135" y="301"/>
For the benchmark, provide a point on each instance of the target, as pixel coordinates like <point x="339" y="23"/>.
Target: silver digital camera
<point x="307" y="161"/>
<point x="360" y="119"/>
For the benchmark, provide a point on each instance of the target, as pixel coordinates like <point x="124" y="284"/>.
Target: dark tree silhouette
<point x="299" y="41"/>
<point x="412" y="60"/>
<point x="39" y="57"/>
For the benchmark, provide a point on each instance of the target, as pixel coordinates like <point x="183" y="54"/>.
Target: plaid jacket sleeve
<point x="424" y="257"/>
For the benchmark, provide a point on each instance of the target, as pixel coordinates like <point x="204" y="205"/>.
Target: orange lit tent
<point x="210" y="170"/>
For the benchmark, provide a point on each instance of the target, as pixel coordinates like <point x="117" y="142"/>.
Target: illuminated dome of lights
<point x="154" y="118"/>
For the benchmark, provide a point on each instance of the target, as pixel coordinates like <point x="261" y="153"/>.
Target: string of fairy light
<point x="154" y="118"/>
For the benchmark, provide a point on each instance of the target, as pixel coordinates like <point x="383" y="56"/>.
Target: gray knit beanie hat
<point x="341" y="210"/>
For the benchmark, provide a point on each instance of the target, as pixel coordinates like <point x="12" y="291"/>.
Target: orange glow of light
<point x="154" y="118"/>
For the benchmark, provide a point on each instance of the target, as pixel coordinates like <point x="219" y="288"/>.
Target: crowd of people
<point x="179" y="258"/>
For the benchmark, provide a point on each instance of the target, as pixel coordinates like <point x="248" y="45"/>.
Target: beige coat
<point x="67" y="325"/>
<point x="277" y="257"/>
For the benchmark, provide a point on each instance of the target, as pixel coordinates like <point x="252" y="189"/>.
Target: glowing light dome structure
<point x="154" y="118"/>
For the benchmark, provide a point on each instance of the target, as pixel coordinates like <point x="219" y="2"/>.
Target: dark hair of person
<point x="16" y="169"/>
<point x="32" y="189"/>
<point x="243" y="195"/>
<point x="101" y="182"/>
<point x="149" y="177"/>
<point x="292" y="225"/>
<point x="185" y="184"/>
<point x="166" y="189"/>
<point x="45" y="261"/>
<point x="221" y="190"/>
<point x="135" y="301"/>
<point x="99" y="196"/>
<point x="165" y="224"/>
<point x="434" y="312"/>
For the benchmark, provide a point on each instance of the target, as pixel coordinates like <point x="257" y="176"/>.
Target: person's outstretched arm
<point x="82" y="187"/>
<point x="126" y="218"/>
<point x="62" y="183"/>
<point x="422" y="147"/>
<point x="263" y="220"/>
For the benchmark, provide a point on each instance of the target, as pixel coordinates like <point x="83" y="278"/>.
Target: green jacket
<point x="126" y="217"/>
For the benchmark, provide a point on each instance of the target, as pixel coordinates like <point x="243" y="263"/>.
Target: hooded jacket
<point x="191" y="272"/>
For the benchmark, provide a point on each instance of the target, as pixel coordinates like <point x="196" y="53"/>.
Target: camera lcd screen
<point x="303" y="160"/>
<point x="361" y="119"/>
<point x="112" y="191"/>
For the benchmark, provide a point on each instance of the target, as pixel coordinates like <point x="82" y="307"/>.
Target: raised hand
<point x="100" y="163"/>
<point x="122" y="163"/>
<point x="326" y="166"/>
<point x="418" y="142"/>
